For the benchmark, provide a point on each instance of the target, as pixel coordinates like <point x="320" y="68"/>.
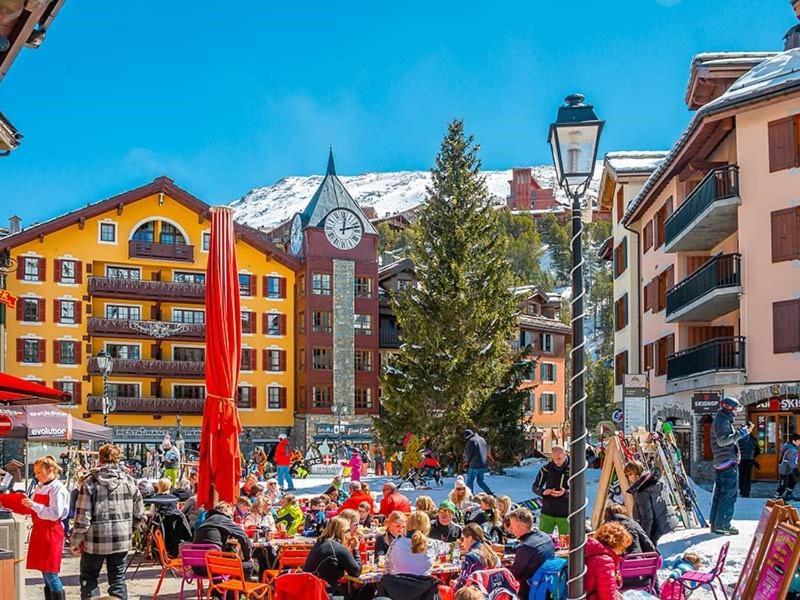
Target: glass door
<point x="767" y="433"/>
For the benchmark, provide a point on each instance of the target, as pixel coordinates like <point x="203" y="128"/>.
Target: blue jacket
<point x="788" y="459"/>
<point x="724" y="439"/>
<point x="533" y="550"/>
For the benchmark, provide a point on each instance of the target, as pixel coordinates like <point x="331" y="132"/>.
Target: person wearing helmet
<point x="725" y="451"/>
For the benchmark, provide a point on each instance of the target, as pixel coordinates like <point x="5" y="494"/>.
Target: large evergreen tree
<point x="457" y="323"/>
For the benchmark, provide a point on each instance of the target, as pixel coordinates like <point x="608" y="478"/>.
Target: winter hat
<point x="730" y="402"/>
<point x="447" y="505"/>
<point x="460" y="482"/>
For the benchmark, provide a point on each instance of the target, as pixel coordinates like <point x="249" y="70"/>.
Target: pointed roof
<point x="331" y="194"/>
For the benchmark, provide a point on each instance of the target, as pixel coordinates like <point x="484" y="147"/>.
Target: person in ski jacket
<point x="617" y="513"/>
<point x="552" y="485"/>
<point x="476" y="553"/>
<point x="749" y="451"/>
<point x="290" y="514"/>
<point x="649" y="508"/>
<point x="283" y="460"/>
<point x="603" y="555"/>
<point x="356" y="497"/>
<point x="393" y="500"/>
<point x="444" y="528"/>
<point x="355" y="464"/>
<point x="477" y="458"/>
<point x="533" y="548"/>
<point x="725" y="452"/>
<point x="787" y="469"/>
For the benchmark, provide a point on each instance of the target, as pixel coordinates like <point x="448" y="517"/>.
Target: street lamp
<point x="106" y="364"/>
<point x="573" y="140"/>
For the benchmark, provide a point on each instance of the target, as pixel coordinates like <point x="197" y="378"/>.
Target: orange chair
<point x="225" y="574"/>
<point x="168" y="564"/>
<point x="293" y="556"/>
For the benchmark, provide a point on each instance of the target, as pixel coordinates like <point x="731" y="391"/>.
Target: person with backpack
<point x="476" y="553"/>
<point x="533" y="549"/>
<point x="787" y="469"/>
<point x="552" y="485"/>
<point x="603" y="555"/>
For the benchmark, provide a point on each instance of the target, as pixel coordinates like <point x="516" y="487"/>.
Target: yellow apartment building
<point x="126" y="275"/>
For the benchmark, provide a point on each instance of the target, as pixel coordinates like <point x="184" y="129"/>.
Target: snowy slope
<point x="388" y="193"/>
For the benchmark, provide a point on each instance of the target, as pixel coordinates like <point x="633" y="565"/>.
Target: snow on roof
<point x="729" y="59"/>
<point x="635" y="161"/>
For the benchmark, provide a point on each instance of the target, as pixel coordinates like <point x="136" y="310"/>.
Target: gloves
<point x="743" y="432"/>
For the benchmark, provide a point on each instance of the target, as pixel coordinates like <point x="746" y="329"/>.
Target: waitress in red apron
<point x="49" y="505"/>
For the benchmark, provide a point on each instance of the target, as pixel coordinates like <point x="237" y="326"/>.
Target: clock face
<point x="343" y="228"/>
<point x="296" y="239"/>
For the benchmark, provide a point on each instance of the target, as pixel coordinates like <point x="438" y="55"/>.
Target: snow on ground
<point x="517" y="481"/>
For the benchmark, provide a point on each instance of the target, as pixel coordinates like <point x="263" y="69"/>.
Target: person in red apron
<point x="49" y="505"/>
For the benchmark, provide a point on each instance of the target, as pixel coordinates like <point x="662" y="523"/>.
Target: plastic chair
<point x="226" y="574"/>
<point x="194" y="555"/>
<point x="692" y="580"/>
<point x="300" y="586"/>
<point x="293" y="556"/>
<point x="168" y="564"/>
<point x="640" y="571"/>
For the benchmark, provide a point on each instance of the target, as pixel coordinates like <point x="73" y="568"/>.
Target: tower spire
<point x="331" y="167"/>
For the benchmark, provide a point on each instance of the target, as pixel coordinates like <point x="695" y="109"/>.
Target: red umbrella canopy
<point x="21" y="391"/>
<point x="220" y="467"/>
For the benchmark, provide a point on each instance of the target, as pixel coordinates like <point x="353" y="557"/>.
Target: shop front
<point x="775" y="411"/>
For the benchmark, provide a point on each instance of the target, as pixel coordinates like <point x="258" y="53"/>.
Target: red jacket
<point x="602" y="571"/>
<point x="356" y="499"/>
<point x="283" y="454"/>
<point x="394" y="501"/>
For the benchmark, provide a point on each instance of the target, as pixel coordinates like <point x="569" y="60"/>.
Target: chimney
<point x="792" y="38"/>
<point x="14" y="225"/>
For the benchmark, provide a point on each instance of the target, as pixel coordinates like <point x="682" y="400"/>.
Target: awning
<point x="14" y="390"/>
<point x="48" y="423"/>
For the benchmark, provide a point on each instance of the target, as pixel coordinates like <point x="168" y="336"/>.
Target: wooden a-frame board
<point x="612" y="464"/>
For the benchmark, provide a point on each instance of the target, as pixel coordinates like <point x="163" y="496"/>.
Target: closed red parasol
<point x="218" y="478"/>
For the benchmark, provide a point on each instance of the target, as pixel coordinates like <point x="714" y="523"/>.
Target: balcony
<point x="389" y="338"/>
<point x="146" y="329"/>
<point x="710" y="292"/>
<point x="179" y="252"/>
<point x="142" y="289"/>
<point x="153" y="406"/>
<point x="153" y="368"/>
<point x="715" y="363"/>
<point x="708" y="215"/>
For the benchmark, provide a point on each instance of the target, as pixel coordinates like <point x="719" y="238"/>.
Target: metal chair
<point x="692" y="580"/>
<point x="194" y="555"/>
<point x="168" y="564"/>
<point x="226" y="574"/>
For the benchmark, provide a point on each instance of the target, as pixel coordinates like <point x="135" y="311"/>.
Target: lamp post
<point x="106" y="364"/>
<point x="339" y="410"/>
<point x="573" y="140"/>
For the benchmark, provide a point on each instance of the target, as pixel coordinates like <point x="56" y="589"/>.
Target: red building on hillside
<point x="527" y="195"/>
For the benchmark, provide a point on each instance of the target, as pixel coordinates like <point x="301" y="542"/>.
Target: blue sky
<point x="223" y="97"/>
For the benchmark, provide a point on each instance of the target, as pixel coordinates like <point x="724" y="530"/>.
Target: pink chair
<point x="194" y="555"/>
<point x="640" y="572"/>
<point x="692" y="580"/>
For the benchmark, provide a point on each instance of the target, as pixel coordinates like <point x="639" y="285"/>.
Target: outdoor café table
<point x="373" y="574"/>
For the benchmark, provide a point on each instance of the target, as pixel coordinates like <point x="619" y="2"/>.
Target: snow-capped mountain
<point x="388" y="193"/>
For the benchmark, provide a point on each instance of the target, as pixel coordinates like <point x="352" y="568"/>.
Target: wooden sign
<point x="613" y="464"/>
<point x="780" y="562"/>
<point x="774" y="512"/>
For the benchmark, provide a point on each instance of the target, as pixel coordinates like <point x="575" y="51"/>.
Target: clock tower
<point x="337" y="317"/>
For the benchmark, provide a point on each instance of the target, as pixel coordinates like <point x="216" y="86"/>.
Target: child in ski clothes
<point x="315" y="518"/>
<point x="788" y="467"/>
<point x="603" y="555"/>
<point x="680" y="564"/>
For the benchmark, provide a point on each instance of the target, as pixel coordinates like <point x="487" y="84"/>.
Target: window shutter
<point x="265" y="359"/>
<point x="784" y="225"/>
<point x="252" y="321"/>
<point x="57" y="311"/>
<point x="20" y="309"/>
<point x="253" y="395"/>
<point x="670" y="208"/>
<point x="648" y="235"/>
<point x="56" y="351"/>
<point x="78" y="311"/>
<point x="42" y="318"/>
<point x="282" y="360"/>
<point x="786" y="326"/>
<point x="282" y="397"/>
<point x="555" y="371"/>
<point x="624" y="253"/>
<point x="57" y="273"/>
<point x="155" y="389"/>
<point x="42" y="269"/>
<point x="670" y="345"/>
<point x="265" y="286"/>
<point x="21" y="269"/>
<point x="782" y="143"/>
<point x="42" y="356"/>
<point x="77" y="396"/>
<point x="265" y="323"/>
<point x="77" y="350"/>
<point x="78" y="271"/>
<point x="282" y="324"/>
<point x="282" y="287"/>
<point x="253" y="285"/>
<point x="20" y="350"/>
<point x="155" y="354"/>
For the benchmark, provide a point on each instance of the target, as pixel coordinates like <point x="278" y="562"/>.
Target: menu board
<point x="771" y="514"/>
<point x="780" y="562"/>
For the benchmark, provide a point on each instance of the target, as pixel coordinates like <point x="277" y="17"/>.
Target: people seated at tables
<point x="249" y="482"/>
<point x="241" y="510"/>
<point x="272" y="490"/>
<point x="256" y="491"/>
<point x="334" y="554"/>
<point x="476" y="553"/>
<point x="393" y="500"/>
<point x="315" y="517"/>
<point x="220" y="530"/>
<point x="532" y="548"/>
<point x="260" y="515"/>
<point x="486" y="513"/>
<point x="413" y="553"/>
<point x="183" y="489"/>
<point x="289" y="514"/>
<point x="163" y="500"/>
<point x="426" y="505"/>
<point x="603" y="555"/>
<point x="352" y="518"/>
<point x="504" y="507"/>
<point x="336" y="491"/>
<point x="460" y="495"/>
<point x="640" y="542"/>
<point x="395" y="528"/>
<point x="364" y="517"/>
<point x="443" y="528"/>
<point x="356" y="497"/>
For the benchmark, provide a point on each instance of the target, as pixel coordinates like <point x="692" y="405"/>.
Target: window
<point x="123" y="390"/>
<point x="321" y="284"/>
<point x="531" y="308"/>
<point x="275" y="360"/>
<point x="30" y="351"/>
<point x="786" y="234"/>
<point x="784" y="143"/>
<point x="647" y="236"/>
<point x="664" y="347"/>
<point x="402" y="284"/>
<point x="31" y="269"/>
<point x="275" y="287"/>
<point x="170" y="234"/>
<point x="123" y="272"/>
<point x="108" y="233"/>
<point x="248" y="359"/>
<point x="786" y="326"/>
<point x="621" y="313"/>
<point x="322" y="321"/>
<point x="66" y="352"/>
<point x="189" y="391"/>
<point x="546" y="342"/>
<point x="276" y="397"/>
<point x="547" y="402"/>
<point x="189" y="354"/>
<point x="620" y="367"/>
<point x="66" y="271"/>
<point x="124" y="351"/>
<point x="146" y="232"/>
<point x="206" y="241"/>
<point x="548" y="372"/>
<point x="363" y="398"/>
<point x="321" y="396"/>
<point x="363" y="360"/>
<point x="363" y="287"/>
<point x="363" y="324"/>
<point x="274" y="324"/>
<point x="621" y="257"/>
<point x="185" y="315"/>
<point x="322" y="359"/>
<point x="72" y="388"/>
<point x="526" y="338"/>
<point x="245" y="396"/>
<point x="248" y="322"/>
<point x="67" y="310"/>
<point x="126" y="313"/>
<point x="530" y="402"/>
<point x="188" y="277"/>
<point x="32" y="310"/>
<point x="246" y="285"/>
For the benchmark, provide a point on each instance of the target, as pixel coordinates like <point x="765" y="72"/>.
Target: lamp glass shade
<point x="576" y="149"/>
<point x="104" y="362"/>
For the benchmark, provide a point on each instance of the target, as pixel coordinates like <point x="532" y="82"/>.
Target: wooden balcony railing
<point x="117" y="287"/>
<point x="146" y="329"/>
<point x="140" y="249"/>
<point x="161" y="406"/>
<point x="153" y="368"/>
